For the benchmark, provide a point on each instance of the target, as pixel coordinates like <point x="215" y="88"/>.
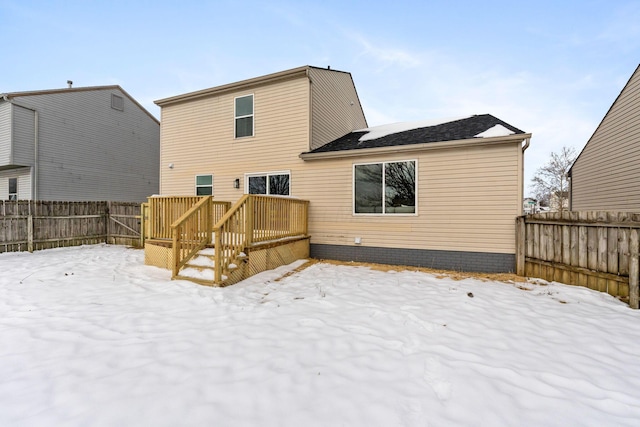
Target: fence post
<point x="107" y="223"/>
<point x="29" y="228"/>
<point x="634" y="270"/>
<point x="143" y="224"/>
<point x="520" y="245"/>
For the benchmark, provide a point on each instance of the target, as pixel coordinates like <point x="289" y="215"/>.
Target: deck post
<point x="217" y="267"/>
<point x="209" y="219"/>
<point x="248" y="217"/>
<point x="305" y="219"/>
<point x="176" y="251"/>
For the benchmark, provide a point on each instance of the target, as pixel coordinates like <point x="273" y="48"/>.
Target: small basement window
<point x="13" y="188"/>
<point x="117" y="102"/>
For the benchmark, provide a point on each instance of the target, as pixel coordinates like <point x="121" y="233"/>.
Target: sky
<point x="551" y="68"/>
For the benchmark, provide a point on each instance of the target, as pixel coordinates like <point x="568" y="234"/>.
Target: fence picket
<point x="34" y="225"/>
<point x="598" y="250"/>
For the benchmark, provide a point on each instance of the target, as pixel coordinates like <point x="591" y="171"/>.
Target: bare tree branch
<point x="551" y="183"/>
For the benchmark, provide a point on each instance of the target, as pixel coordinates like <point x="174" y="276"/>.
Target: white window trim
<point x="383" y="214"/>
<point x="235" y="117"/>
<point x="253" y="174"/>
<point x="195" y="182"/>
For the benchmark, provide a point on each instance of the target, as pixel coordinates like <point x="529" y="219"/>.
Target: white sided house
<point x="77" y="144"/>
<point x="441" y="194"/>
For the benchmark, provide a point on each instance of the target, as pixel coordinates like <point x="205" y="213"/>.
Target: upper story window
<point x="204" y="185"/>
<point x="244" y="116"/>
<point x="13" y="188"/>
<point x="117" y="102"/>
<point x="385" y="188"/>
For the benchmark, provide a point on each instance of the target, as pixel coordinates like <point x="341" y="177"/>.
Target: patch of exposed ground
<point x="440" y="274"/>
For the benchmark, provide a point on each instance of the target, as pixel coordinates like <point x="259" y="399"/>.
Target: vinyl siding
<point x="5" y="134"/>
<point x="198" y="138"/>
<point x="468" y="199"/>
<point x="24" y="183"/>
<point x="336" y="109"/>
<point x="90" y="151"/>
<point x="605" y="176"/>
<point x="23" y="136"/>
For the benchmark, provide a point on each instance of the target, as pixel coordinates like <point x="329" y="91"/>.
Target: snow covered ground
<point x="89" y="336"/>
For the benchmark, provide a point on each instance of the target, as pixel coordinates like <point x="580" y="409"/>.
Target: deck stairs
<point x="201" y="268"/>
<point x="200" y="232"/>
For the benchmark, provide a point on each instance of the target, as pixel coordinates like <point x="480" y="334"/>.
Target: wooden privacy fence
<point x="598" y="250"/>
<point x="32" y="225"/>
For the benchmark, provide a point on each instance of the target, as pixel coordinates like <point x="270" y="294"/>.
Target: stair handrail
<point x="232" y="236"/>
<point x="191" y="232"/>
<point x="256" y="219"/>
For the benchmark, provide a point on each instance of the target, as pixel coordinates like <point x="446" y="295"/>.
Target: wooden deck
<point x="213" y="243"/>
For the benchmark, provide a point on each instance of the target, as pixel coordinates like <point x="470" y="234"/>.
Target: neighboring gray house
<point x="77" y="144"/>
<point x="605" y="176"/>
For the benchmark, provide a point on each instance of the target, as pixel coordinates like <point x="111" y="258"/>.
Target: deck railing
<point x="255" y="219"/>
<point x="191" y="233"/>
<point x="277" y="217"/>
<point x="165" y="210"/>
<point x="230" y="234"/>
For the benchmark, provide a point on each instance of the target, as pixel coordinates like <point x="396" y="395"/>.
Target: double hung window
<point x="244" y="116"/>
<point x="204" y="185"/>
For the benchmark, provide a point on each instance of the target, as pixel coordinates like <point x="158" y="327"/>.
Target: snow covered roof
<point x="376" y="132"/>
<point x="497" y="130"/>
<point x="420" y="132"/>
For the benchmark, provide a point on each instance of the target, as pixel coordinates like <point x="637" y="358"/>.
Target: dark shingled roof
<point x="466" y="128"/>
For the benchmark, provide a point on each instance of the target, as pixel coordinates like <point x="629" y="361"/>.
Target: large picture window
<point x="244" y="116"/>
<point x="277" y="183"/>
<point x="385" y="188"/>
<point x="204" y="185"/>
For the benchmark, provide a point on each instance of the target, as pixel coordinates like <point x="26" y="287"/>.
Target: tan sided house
<point x="442" y="194"/>
<point x="604" y="175"/>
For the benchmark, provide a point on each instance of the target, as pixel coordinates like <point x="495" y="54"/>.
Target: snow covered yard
<point x="89" y="336"/>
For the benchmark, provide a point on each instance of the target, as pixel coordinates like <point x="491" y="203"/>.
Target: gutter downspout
<point x="527" y="142"/>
